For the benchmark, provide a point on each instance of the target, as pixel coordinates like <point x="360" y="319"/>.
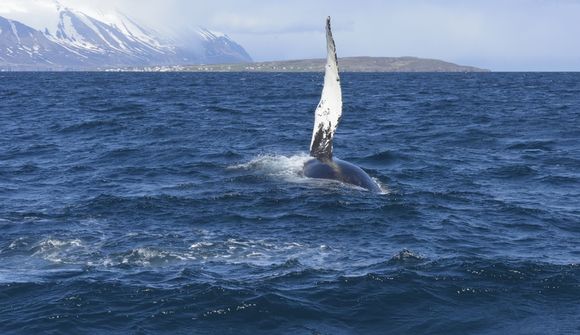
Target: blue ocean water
<point x="173" y="203"/>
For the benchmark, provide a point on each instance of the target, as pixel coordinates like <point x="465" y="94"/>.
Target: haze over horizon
<point x="518" y="35"/>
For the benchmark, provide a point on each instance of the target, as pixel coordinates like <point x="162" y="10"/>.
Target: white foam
<point x="149" y="256"/>
<point x="384" y="189"/>
<point x="18" y="243"/>
<point x="288" y="167"/>
<point x="257" y="252"/>
<point x="76" y="252"/>
<point x="58" y="244"/>
<point x="200" y="245"/>
<point x="59" y="251"/>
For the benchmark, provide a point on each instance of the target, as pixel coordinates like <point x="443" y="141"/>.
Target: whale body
<point x="327" y="116"/>
<point x="337" y="169"/>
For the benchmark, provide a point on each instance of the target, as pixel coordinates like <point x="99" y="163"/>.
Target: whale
<point x="326" y="118"/>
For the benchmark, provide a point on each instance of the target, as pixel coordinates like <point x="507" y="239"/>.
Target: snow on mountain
<point x="220" y="48"/>
<point x="80" y="41"/>
<point x="79" y="30"/>
<point x="209" y="35"/>
<point x="123" y="43"/>
<point x="133" y="30"/>
<point x="26" y="48"/>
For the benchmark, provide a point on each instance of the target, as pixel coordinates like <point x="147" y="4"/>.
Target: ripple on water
<point x="155" y="203"/>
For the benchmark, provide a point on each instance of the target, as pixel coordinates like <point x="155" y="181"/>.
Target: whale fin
<point x="329" y="110"/>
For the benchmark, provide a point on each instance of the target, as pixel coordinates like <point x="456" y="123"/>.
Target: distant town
<point x="347" y="64"/>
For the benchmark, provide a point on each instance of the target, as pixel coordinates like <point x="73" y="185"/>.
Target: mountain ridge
<point x="83" y="42"/>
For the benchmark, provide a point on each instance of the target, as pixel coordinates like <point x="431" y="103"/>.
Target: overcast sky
<point x="517" y="35"/>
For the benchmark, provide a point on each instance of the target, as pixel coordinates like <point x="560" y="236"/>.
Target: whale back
<point x="340" y="170"/>
<point x="329" y="110"/>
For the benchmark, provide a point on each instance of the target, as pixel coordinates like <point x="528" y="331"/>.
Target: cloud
<point x="10" y="7"/>
<point x="259" y="25"/>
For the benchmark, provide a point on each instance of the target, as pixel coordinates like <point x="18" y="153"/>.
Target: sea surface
<point x="148" y="203"/>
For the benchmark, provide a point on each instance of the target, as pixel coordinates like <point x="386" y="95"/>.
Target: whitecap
<point x="149" y="256"/>
<point x="59" y="250"/>
<point x="200" y="245"/>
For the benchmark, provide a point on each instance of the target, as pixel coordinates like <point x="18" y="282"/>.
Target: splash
<point x="384" y="189"/>
<point x="288" y="167"/>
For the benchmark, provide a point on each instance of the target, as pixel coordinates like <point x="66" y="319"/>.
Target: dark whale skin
<point x="340" y="170"/>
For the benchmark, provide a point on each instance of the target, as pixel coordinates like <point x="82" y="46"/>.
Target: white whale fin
<point x="329" y="108"/>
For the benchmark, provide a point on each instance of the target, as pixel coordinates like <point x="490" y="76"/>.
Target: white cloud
<point x="10" y="7"/>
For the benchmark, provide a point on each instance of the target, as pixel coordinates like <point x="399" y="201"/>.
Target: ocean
<point x="148" y="203"/>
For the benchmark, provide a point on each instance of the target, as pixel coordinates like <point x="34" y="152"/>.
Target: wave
<point x="110" y="125"/>
<point x="406" y="256"/>
<point x="100" y="253"/>
<point x="59" y="250"/>
<point x="144" y="256"/>
<point x="514" y="171"/>
<point x="384" y="158"/>
<point x="546" y="145"/>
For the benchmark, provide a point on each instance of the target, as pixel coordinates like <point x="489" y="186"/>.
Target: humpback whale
<point x="326" y="119"/>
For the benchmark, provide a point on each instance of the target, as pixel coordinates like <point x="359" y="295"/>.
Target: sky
<point x="508" y="35"/>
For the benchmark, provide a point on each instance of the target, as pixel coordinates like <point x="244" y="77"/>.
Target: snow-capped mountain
<point x="124" y="43"/>
<point x="23" y="47"/>
<point x="83" y="41"/>
<point x="219" y="46"/>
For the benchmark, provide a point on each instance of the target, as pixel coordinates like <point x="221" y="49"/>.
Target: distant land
<point x="347" y="64"/>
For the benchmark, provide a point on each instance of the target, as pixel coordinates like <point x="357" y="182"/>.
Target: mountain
<point x="219" y="46"/>
<point x="24" y="47"/>
<point x="346" y="64"/>
<point x="81" y="41"/>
